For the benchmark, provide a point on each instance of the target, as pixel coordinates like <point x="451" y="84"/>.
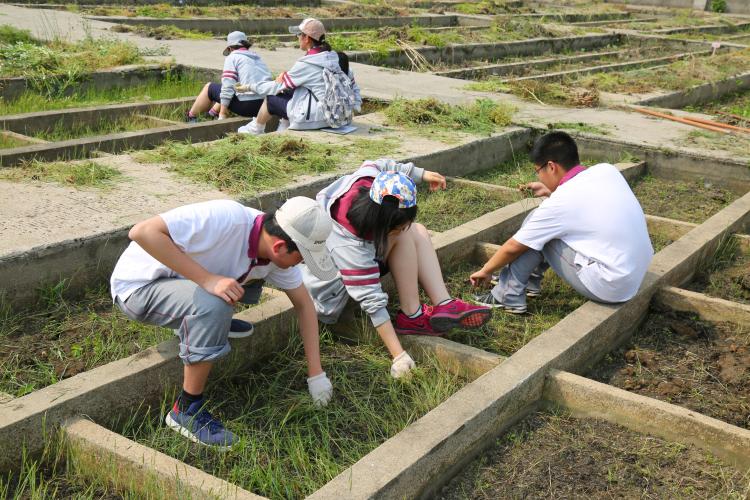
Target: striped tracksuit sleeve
<point x="229" y="76"/>
<point x="361" y="277"/>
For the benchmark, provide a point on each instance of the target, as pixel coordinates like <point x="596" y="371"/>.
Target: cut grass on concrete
<point x="7" y="142"/>
<point x="677" y="358"/>
<point x="58" y="63"/>
<point x="289" y="448"/>
<point x="246" y="165"/>
<point x="77" y="174"/>
<point x="553" y="455"/>
<point x="545" y="92"/>
<point x="173" y="86"/>
<point x="163" y="32"/>
<point x="443" y="210"/>
<point x="693" y="201"/>
<point x="61" y="338"/>
<point x="433" y="118"/>
<point x="506" y="332"/>
<point x="727" y="276"/>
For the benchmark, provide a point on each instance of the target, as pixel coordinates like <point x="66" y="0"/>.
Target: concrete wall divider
<point x="700" y="94"/>
<point x="280" y="25"/>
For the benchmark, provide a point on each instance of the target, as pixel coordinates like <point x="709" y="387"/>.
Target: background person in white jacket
<point x="295" y="94"/>
<point x="240" y="66"/>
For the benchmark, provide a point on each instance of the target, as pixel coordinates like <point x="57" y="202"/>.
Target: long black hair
<point x="371" y="218"/>
<point x="321" y="44"/>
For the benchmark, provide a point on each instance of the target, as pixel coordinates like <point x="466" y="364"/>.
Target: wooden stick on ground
<point x="682" y="120"/>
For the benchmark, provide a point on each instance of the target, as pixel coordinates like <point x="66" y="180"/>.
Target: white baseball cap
<point x="307" y="224"/>
<point x="310" y="27"/>
<point x="234" y="39"/>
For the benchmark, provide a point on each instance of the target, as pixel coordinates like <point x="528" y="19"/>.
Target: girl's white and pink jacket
<point x="359" y="273"/>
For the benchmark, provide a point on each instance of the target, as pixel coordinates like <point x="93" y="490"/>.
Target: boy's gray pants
<point x="200" y="319"/>
<point x="526" y="272"/>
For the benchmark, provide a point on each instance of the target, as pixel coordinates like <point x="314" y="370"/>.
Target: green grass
<point x="443" y="210"/>
<point x="58" y="64"/>
<point x="737" y="145"/>
<point x="726" y="274"/>
<point x="246" y="165"/>
<point x="78" y="174"/>
<point x="173" y="86"/>
<point x="430" y="116"/>
<point x="59" y="131"/>
<point x="546" y="92"/>
<point x="506" y="332"/>
<point x="62" y="337"/>
<point x="56" y="475"/>
<point x="288" y="447"/>
<point x="11" y="142"/>
<point x="736" y="104"/>
<point x="579" y="127"/>
<point x="686" y="201"/>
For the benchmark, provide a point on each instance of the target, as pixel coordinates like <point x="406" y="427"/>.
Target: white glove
<point x="402" y="365"/>
<point x="320" y="389"/>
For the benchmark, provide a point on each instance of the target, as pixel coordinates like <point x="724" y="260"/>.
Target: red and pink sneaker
<point x="458" y="314"/>
<point x="415" y="326"/>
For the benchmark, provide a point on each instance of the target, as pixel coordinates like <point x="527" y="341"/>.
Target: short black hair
<point x="272" y="227"/>
<point x="555" y="146"/>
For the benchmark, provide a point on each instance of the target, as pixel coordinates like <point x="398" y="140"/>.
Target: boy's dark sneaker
<point x="240" y="329"/>
<point x="199" y="426"/>
<point x="415" y="326"/>
<point x="458" y="314"/>
<point x="489" y="300"/>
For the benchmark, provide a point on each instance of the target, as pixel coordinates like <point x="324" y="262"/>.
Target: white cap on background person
<point x="307" y="224"/>
<point x="235" y="39"/>
<point x="310" y="27"/>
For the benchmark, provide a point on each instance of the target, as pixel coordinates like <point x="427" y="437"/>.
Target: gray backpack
<point x="338" y="100"/>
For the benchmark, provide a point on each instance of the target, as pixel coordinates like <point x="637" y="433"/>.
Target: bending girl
<point x="374" y="233"/>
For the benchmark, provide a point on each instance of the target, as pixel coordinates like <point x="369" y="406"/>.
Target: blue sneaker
<point x="240" y="329"/>
<point x="199" y="426"/>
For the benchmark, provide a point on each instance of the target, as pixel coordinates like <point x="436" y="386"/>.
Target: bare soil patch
<point x="557" y="456"/>
<point x="728" y="275"/>
<point x="679" y="359"/>
<point x="686" y="201"/>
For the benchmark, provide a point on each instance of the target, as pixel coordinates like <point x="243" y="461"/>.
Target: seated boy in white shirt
<point x="187" y="267"/>
<point x="591" y="230"/>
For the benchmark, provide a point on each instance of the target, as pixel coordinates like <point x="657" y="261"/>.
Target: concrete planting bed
<point x="416" y="460"/>
<point x="280" y="26"/>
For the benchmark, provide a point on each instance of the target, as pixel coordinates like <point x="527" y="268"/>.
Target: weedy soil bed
<point x="443" y="210"/>
<point x="289" y="447"/>
<point x="61" y="338"/>
<point x="506" y="332"/>
<point x="728" y="274"/>
<point x="553" y="455"/>
<point x="103" y="125"/>
<point x="677" y="358"/>
<point x="733" y="104"/>
<point x="173" y="86"/>
<point x="7" y="142"/>
<point x="693" y="201"/>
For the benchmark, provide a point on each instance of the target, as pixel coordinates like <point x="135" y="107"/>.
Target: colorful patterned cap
<point x="394" y="184"/>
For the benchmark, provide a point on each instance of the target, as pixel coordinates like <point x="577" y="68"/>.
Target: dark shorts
<point x="277" y="104"/>
<point x="248" y="109"/>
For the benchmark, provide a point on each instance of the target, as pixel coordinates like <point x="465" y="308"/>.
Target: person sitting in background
<point x="241" y="66"/>
<point x="591" y="230"/>
<point x="296" y="96"/>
